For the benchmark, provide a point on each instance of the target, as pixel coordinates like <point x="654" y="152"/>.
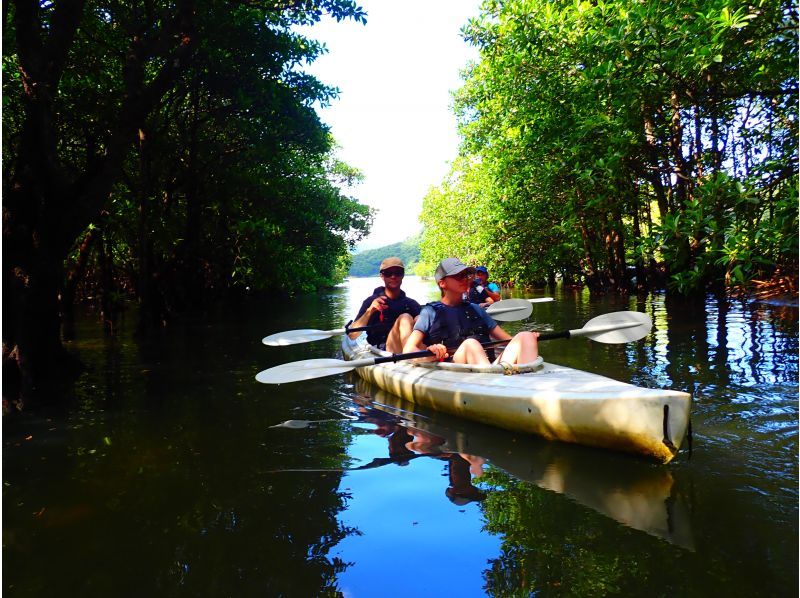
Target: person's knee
<point x="404" y="319"/>
<point x="472" y="344"/>
<point x="470" y="351"/>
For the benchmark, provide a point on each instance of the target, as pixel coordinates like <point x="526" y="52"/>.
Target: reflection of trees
<point x="538" y="555"/>
<point x="159" y="481"/>
<point x="724" y="344"/>
<point x="181" y="514"/>
<point x="552" y="546"/>
<point x="555" y="547"/>
<point x="687" y="342"/>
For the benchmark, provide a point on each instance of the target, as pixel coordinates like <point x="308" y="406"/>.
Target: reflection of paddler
<point x="409" y="443"/>
<point x="424" y="442"/>
<point x="387" y="426"/>
<point x="398" y="446"/>
<point x="632" y="492"/>
<point x="460" y="467"/>
<point x="460" y="471"/>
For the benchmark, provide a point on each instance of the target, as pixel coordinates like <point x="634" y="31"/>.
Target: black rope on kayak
<point x="666" y="440"/>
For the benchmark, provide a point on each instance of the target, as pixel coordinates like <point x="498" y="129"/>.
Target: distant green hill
<point x="367" y="262"/>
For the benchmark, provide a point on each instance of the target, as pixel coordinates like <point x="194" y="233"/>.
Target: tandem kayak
<point x="548" y="400"/>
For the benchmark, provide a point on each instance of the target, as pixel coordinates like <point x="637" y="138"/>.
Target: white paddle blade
<point x="294" y="424"/>
<point x="308" y="369"/>
<point x="541" y="300"/>
<point x="617" y="327"/>
<point x="295" y="337"/>
<point x="510" y="310"/>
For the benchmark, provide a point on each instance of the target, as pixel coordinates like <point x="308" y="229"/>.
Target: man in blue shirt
<point x="482" y="291"/>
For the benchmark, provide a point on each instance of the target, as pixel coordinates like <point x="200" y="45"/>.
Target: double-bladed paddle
<point x="508" y="310"/>
<point x="616" y="327"/>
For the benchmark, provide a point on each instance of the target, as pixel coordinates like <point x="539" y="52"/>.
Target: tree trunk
<point x="108" y="302"/>
<point x="679" y="164"/>
<point x="617" y="249"/>
<point x="698" y="142"/>
<point x="32" y="340"/>
<point x="151" y="315"/>
<point x="653" y="172"/>
<point x="192" y="266"/>
<point x="67" y="295"/>
<point x="593" y="278"/>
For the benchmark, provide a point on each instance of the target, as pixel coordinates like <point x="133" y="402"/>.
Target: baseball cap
<point x="482" y="269"/>
<point x="391" y="262"/>
<point x="450" y="266"/>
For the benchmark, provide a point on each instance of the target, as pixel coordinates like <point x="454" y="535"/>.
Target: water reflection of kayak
<point x="552" y="401"/>
<point x="635" y="493"/>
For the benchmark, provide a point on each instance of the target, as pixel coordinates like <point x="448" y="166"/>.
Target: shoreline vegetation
<point x="147" y="157"/>
<point x="780" y="285"/>
<point x="611" y="141"/>
<point x="621" y="147"/>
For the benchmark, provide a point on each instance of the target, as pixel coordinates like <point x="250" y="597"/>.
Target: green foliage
<point x="233" y="182"/>
<point x="367" y="263"/>
<point x="598" y="133"/>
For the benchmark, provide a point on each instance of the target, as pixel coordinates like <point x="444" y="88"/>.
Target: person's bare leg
<point x="471" y="351"/>
<point x="399" y="333"/>
<point x="523" y="348"/>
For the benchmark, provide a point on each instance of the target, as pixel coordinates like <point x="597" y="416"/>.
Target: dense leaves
<point x="605" y="135"/>
<point x="168" y="152"/>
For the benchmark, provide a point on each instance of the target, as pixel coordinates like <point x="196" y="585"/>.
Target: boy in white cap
<point x="388" y="311"/>
<point x="456" y="328"/>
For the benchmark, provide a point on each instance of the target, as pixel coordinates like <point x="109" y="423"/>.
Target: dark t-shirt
<point x="402" y="305"/>
<point x="476" y="296"/>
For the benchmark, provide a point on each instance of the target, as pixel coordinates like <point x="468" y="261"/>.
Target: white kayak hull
<point x="552" y="401"/>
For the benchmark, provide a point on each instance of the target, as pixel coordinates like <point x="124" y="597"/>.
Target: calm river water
<point x="168" y="473"/>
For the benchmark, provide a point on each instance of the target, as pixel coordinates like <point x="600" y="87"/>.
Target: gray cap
<point x="450" y="266"/>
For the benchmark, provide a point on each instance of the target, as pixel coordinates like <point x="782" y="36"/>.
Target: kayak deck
<point x="556" y="402"/>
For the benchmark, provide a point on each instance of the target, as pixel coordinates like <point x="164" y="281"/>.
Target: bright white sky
<point x="392" y="118"/>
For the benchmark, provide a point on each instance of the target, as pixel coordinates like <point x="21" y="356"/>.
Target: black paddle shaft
<point x="395" y="357"/>
<point x="551" y="335"/>
<point x="542" y="337"/>
<point x="348" y="330"/>
<point x="402" y="356"/>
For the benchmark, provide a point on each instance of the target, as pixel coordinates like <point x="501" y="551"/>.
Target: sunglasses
<point x="462" y="275"/>
<point x="393" y="273"/>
